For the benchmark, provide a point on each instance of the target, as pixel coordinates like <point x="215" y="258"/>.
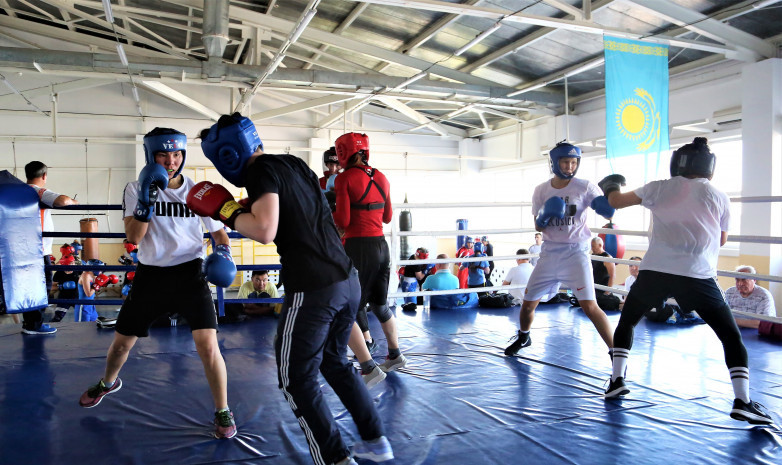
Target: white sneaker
<point x="393" y="364"/>
<point x="373" y="377"/>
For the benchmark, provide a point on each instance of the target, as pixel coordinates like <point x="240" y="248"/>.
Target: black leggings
<point x="371" y="258"/>
<point x="653" y="288"/>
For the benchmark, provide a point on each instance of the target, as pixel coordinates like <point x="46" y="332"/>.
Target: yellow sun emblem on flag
<point x="638" y="120"/>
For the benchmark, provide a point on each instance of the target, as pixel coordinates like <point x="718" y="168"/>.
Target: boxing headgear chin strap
<point x="694" y="158"/>
<point x="349" y="144"/>
<point x="165" y="143"/>
<point x="564" y="150"/>
<point x="230" y="143"/>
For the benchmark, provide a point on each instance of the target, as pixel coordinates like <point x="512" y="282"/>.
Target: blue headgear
<point x="230" y="143"/>
<point x="170" y="142"/>
<point x="95" y="263"/>
<point x="564" y="150"/>
<point x="693" y="158"/>
<point x="478" y="247"/>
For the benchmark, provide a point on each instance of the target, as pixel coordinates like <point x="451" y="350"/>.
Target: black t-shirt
<point x="410" y="270"/>
<point x="311" y="252"/>
<point x="61" y="277"/>
<point x="599" y="271"/>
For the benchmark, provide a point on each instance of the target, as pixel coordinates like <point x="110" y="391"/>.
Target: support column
<point x="761" y="134"/>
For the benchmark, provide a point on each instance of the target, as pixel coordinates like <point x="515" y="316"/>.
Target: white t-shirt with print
<point x="47" y="198"/>
<point x="760" y="301"/>
<point x="688" y="216"/>
<point x="174" y="235"/>
<point x="519" y="274"/>
<point x="578" y="195"/>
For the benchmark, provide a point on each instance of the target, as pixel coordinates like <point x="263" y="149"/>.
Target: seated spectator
<point x="412" y="275"/>
<point x="66" y="282"/>
<point x="745" y="296"/>
<point x="603" y="274"/>
<point x="476" y="276"/>
<point x="444" y="280"/>
<point x="259" y="287"/>
<point x="519" y="274"/>
<point x="631" y="279"/>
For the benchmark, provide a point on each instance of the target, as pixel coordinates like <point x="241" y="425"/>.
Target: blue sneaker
<point x="44" y="329"/>
<point x="377" y="450"/>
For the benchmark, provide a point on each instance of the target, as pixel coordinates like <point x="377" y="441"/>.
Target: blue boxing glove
<point x="152" y="178"/>
<point x="126" y="290"/>
<point x="69" y="285"/>
<point x="602" y="207"/>
<point x="553" y="208"/>
<point x="219" y="267"/>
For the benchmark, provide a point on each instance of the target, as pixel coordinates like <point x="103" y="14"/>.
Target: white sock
<point x="109" y="385"/>
<point x="739" y="377"/>
<point x="619" y="363"/>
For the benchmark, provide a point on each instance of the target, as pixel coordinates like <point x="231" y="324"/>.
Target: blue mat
<point x="459" y="401"/>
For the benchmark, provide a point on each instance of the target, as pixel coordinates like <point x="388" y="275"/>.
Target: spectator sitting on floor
<point x="259" y="287"/>
<point x="477" y="270"/>
<point x="746" y="296"/>
<point x="519" y="274"/>
<point x="444" y="280"/>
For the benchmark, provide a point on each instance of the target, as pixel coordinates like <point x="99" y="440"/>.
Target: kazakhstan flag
<point x="636" y="97"/>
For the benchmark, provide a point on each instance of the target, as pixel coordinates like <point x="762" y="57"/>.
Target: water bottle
<point x="426" y="302"/>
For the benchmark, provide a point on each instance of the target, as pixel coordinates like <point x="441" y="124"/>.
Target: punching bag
<point x="89" y="245"/>
<point x="461" y="225"/>
<point x="22" y="280"/>
<point x="405" y="224"/>
<point x="614" y="244"/>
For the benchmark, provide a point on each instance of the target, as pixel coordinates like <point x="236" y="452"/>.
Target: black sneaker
<point x="372" y="346"/>
<point x="752" y="412"/>
<point x="58" y="316"/>
<point x="519" y="341"/>
<point x="408" y="307"/>
<point x="616" y="388"/>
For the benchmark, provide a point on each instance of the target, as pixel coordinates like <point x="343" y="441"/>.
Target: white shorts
<point x="562" y="263"/>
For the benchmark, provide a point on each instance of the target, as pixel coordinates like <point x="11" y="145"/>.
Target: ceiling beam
<point x="300" y="106"/>
<point x="708" y="27"/>
<point x="566" y="24"/>
<point x="512" y="47"/>
<point x="71" y="86"/>
<point x="413" y="115"/>
<point x="347" y="107"/>
<point x="352" y="16"/>
<point x="179" y="97"/>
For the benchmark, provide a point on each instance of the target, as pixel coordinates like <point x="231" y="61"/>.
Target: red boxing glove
<point x="130" y="247"/>
<point x="245" y="203"/>
<point x="130" y="275"/>
<point x="214" y="201"/>
<point x="100" y="281"/>
<point x="113" y="279"/>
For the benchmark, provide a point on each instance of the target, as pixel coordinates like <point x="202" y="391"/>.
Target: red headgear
<point x="66" y="249"/>
<point x="349" y="144"/>
<point x="422" y="253"/>
<point x="67" y="260"/>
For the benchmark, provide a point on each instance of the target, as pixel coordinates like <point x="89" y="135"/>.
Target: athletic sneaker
<point x="392" y="364"/>
<point x="616" y="388"/>
<point x="372" y="346"/>
<point x="96" y="393"/>
<point x="373" y="377"/>
<point x="225" y="427"/>
<point x="521" y="341"/>
<point x="377" y="450"/>
<point x="752" y="412"/>
<point x="58" y="316"/>
<point x="44" y="329"/>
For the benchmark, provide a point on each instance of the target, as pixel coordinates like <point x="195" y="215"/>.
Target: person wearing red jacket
<point x="363" y="205"/>
<point x="330" y="167"/>
<point x="464" y="251"/>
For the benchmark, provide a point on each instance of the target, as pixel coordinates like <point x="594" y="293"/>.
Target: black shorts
<point x="371" y="258"/>
<point x="159" y="291"/>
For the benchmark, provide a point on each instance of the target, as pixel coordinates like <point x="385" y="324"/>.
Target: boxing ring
<point x="459" y="400"/>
